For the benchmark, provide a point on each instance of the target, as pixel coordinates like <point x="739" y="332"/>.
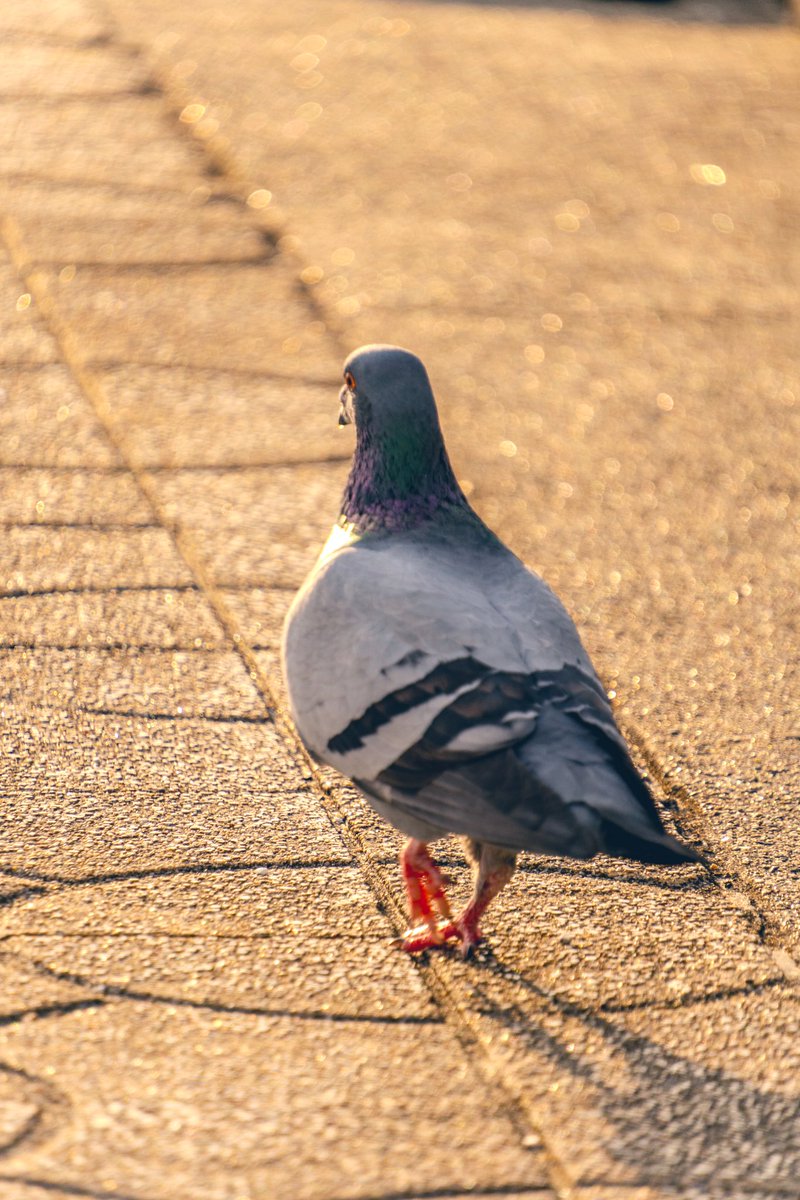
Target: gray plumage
<point x="428" y="664"/>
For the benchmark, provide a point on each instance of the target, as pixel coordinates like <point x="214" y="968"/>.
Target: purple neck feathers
<point x="400" y="480"/>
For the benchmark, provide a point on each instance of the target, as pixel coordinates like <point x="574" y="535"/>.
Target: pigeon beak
<point x="343" y="417"/>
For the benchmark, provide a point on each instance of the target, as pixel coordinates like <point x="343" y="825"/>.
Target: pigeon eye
<point x="350" y="381"/>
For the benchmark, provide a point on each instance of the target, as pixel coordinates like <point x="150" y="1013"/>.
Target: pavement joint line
<point x="609" y="315"/>
<point x="721" y="865"/>
<point x="79" y="183"/>
<point x="699" y="883"/>
<point x="40" y="38"/>
<point x="28" y="1131"/>
<point x="252" y="262"/>
<point x="54" y="98"/>
<point x="445" y="1193"/>
<point x="89" y="590"/>
<point x="57" y="469"/>
<point x="105" y="366"/>
<point x="175" y="935"/>
<point x="233" y="468"/>
<point x="99" y="527"/>
<point x="132" y="714"/>
<point x="132" y="648"/>
<point x="110" y="647"/>
<point x="12" y="366"/>
<point x="259" y="586"/>
<point x="695" y="998"/>
<point x="34" y="100"/>
<point x="226" y="868"/>
<point x="70" y="1189"/>
<point x="156" y="266"/>
<point x="49" y="1100"/>
<point x="722" y="1190"/>
<point x="22" y="894"/>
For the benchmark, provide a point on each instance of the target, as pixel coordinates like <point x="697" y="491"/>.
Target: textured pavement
<point x="585" y="222"/>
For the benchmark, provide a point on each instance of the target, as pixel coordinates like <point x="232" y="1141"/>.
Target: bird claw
<point x="435" y="937"/>
<point x="427" y="936"/>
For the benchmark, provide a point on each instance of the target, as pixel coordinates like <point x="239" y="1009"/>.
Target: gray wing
<point x="569" y="787"/>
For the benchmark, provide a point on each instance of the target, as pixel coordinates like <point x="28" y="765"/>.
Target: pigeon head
<point x="386" y="387"/>
<point x="401" y="474"/>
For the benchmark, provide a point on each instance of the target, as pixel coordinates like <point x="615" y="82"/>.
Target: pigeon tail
<point x="656" y="848"/>
<point x="587" y="765"/>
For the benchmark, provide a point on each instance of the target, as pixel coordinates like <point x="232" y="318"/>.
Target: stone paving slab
<point x="79" y="141"/>
<point x="175" y="235"/>
<point x="302" y="1132"/>
<point x="40" y="559"/>
<point x="101" y="830"/>
<point x="183" y="792"/>
<point x="45" y="421"/>
<point x="44" y="496"/>
<point x="160" y="618"/>
<point x="251" y="315"/>
<point x="269" y="901"/>
<point x="222" y="419"/>
<point x="258" y="530"/>
<point x="22" y="337"/>
<point x="62" y="71"/>
<point x="590" y="1081"/>
<point x="322" y="977"/>
<point x="71" y="20"/>
<point x="148" y="683"/>
<point x="110" y="751"/>
<point x="120" y="223"/>
<point x="482" y="260"/>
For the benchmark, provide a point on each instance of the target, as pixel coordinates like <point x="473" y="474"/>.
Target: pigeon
<point x="429" y="665"/>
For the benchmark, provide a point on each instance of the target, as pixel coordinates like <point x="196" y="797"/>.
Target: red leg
<point x="429" y="910"/>
<point x="431" y="922"/>
<point x="465" y="926"/>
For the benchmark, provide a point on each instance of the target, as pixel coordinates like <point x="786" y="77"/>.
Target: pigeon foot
<point x="463" y="929"/>
<point x="428" y="906"/>
<point x="425" y="937"/>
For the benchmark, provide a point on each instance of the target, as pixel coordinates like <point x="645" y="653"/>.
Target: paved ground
<point x="585" y="222"/>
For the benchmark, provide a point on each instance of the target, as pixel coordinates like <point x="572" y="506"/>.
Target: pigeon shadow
<point x="671" y="1120"/>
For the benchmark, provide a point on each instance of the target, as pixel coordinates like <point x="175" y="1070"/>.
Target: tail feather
<point x="588" y="766"/>
<point x="656" y="848"/>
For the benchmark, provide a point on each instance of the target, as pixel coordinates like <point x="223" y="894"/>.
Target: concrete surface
<point x="583" y="220"/>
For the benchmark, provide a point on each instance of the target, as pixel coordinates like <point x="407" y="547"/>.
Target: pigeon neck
<point x="399" y="479"/>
